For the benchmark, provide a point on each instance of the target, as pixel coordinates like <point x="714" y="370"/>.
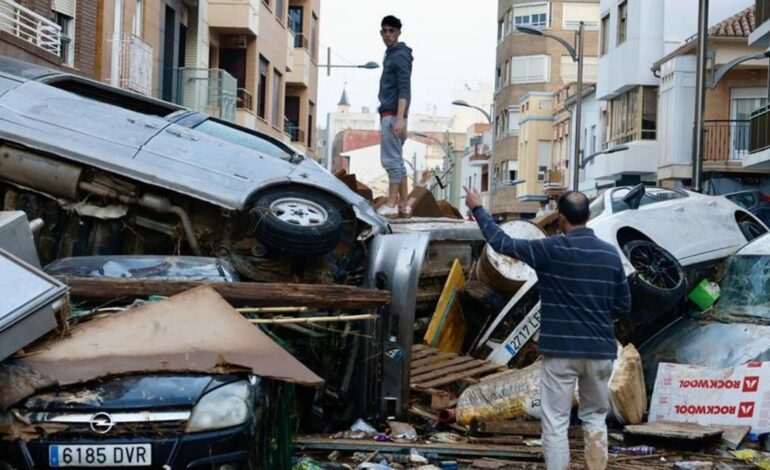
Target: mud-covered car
<point x="733" y="332"/>
<point x="111" y="171"/>
<point x="668" y="237"/>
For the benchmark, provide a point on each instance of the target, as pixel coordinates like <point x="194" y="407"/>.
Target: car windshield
<point x="597" y="207"/>
<point x="242" y="138"/>
<point x="745" y="290"/>
<point x="651" y="196"/>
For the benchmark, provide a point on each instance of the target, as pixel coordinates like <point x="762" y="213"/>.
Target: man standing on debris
<point x="395" y="96"/>
<point x="582" y="288"/>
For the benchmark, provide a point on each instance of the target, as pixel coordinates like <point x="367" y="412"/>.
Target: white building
<point x="345" y="119"/>
<point x="479" y="94"/>
<point x="365" y="164"/>
<point x="634" y="35"/>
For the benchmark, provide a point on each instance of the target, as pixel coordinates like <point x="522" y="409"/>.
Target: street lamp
<point x="369" y="65"/>
<point x="577" y="56"/>
<point x="465" y="104"/>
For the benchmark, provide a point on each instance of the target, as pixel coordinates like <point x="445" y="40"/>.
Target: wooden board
<point x="673" y="430"/>
<point x="436" y="368"/>
<point x="239" y="294"/>
<point x="447" y="327"/>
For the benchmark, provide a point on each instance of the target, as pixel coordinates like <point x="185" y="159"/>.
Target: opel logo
<point x="101" y="423"/>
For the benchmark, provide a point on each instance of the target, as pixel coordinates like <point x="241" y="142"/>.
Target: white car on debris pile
<point x="667" y="236"/>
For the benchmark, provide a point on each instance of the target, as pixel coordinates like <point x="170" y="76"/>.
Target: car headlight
<point x="226" y="406"/>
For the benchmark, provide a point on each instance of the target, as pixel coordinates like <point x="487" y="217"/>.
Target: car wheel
<point x="659" y="282"/>
<point x="751" y="229"/>
<point x="297" y="220"/>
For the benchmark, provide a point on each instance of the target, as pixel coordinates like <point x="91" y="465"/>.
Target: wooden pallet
<point x="432" y="368"/>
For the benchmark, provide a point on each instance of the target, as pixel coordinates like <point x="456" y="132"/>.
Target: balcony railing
<point x="762" y="11"/>
<point x="245" y="99"/>
<point x="725" y="140"/>
<point x="29" y="26"/>
<point x="759" y="136"/>
<point x="212" y="91"/>
<point x="296" y="134"/>
<point x="135" y="64"/>
<point x="300" y="41"/>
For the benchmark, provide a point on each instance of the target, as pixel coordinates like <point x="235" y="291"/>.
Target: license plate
<point x="108" y="455"/>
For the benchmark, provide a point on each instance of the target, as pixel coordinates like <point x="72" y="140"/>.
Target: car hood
<point x="705" y="343"/>
<point x="142" y="392"/>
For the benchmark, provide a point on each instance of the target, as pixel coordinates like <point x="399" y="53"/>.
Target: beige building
<point x="253" y="62"/>
<point x="527" y="64"/>
<point x="535" y="140"/>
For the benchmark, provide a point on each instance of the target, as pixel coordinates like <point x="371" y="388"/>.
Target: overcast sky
<point x="453" y="41"/>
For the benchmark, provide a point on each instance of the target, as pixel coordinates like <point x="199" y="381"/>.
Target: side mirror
<point x="634" y="196"/>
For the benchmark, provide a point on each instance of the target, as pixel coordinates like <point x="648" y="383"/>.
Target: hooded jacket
<point x="395" y="82"/>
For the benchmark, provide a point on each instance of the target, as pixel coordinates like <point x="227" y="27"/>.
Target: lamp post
<point x="577" y="56"/>
<point x="492" y="182"/>
<point x="329" y="66"/>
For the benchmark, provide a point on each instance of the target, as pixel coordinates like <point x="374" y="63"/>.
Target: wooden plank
<point x="458" y="376"/>
<point x="418" y="347"/>
<point x="432" y="359"/>
<point x="422" y="353"/>
<point x="517" y="428"/>
<point x="450" y="361"/>
<point x="428" y="376"/>
<point x="240" y="294"/>
<point x="447" y="327"/>
<point x="459" y="449"/>
<point x="673" y="430"/>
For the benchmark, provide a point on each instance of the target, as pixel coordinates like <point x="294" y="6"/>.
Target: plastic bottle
<point x="636" y="450"/>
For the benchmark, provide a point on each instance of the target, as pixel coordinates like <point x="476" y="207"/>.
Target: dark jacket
<point x="583" y="288"/>
<point x="395" y="82"/>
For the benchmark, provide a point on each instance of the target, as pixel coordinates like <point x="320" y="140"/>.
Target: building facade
<point x="252" y="62"/>
<point x="527" y="64"/>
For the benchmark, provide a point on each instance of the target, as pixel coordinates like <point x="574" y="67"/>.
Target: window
<point x="530" y="69"/>
<point x="574" y="13"/>
<point x="509" y="21"/>
<point x="277" y="119"/>
<point x="543" y="158"/>
<point x="513" y="120"/>
<point x="498" y="78"/>
<point x="279" y="7"/>
<point x="605" y="41"/>
<point x="592" y="147"/>
<point x="138" y="26"/>
<point x="569" y="69"/>
<point x="67" y="46"/>
<point x="310" y="124"/>
<point x="262" y="90"/>
<point x="500" y="30"/>
<point x="622" y="22"/>
<point x="239" y="136"/>
<point x="313" y="39"/>
<point x="535" y="15"/>
<point x="633" y="116"/>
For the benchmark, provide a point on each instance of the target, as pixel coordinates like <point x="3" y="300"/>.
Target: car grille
<point x="122" y="423"/>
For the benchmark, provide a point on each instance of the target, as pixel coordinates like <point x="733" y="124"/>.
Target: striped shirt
<point x="583" y="287"/>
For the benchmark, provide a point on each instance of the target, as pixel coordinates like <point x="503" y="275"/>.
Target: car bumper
<point x="210" y="450"/>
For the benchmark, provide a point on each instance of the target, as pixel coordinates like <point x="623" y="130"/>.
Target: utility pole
<point x="700" y="96"/>
<point x="578" y="111"/>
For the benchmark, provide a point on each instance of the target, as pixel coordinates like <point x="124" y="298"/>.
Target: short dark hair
<point x="392" y="21"/>
<point x="573" y="205"/>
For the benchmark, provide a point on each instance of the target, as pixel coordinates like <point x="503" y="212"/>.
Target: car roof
<point x="758" y="247"/>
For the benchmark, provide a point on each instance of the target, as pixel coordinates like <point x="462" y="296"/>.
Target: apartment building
<point x="57" y="34"/>
<point x="528" y="64"/>
<point x="635" y="34"/>
<point x="759" y="126"/>
<point x="252" y="62"/>
<point x="727" y="112"/>
<point x="535" y="143"/>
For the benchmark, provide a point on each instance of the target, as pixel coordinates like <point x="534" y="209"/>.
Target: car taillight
<point x="764" y="197"/>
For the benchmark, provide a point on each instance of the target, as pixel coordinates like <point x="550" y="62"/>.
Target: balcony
<point x="135" y="65"/>
<point x="725" y="141"/>
<point x="294" y="133"/>
<point x="212" y="91"/>
<point x="761" y="11"/>
<point x="244" y="99"/>
<point x="27" y="25"/>
<point x="234" y="16"/>
<point x="289" y="50"/>
<point x="300" y="71"/>
<point x="759" y="140"/>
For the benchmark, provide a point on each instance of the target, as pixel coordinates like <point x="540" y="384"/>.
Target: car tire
<point x="659" y="282"/>
<point x="297" y="220"/>
<point x="751" y="229"/>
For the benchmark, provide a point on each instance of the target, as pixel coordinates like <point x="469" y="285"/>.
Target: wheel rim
<point x="300" y="212"/>
<point x="655" y="267"/>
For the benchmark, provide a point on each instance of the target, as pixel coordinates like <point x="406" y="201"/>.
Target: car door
<point x="209" y="168"/>
<point x="41" y="116"/>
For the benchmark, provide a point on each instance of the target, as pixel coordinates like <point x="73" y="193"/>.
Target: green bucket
<point x="705" y="294"/>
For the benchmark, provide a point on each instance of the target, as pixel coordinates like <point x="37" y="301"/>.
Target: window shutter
<point x="65" y="7"/>
<point x="588" y="13"/>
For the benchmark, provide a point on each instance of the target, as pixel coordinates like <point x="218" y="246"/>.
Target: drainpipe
<point x="700" y="96"/>
<point x="117" y="27"/>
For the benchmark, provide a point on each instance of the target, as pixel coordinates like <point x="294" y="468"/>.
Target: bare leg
<point x="393" y="191"/>
<point x="403" y="191"/>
